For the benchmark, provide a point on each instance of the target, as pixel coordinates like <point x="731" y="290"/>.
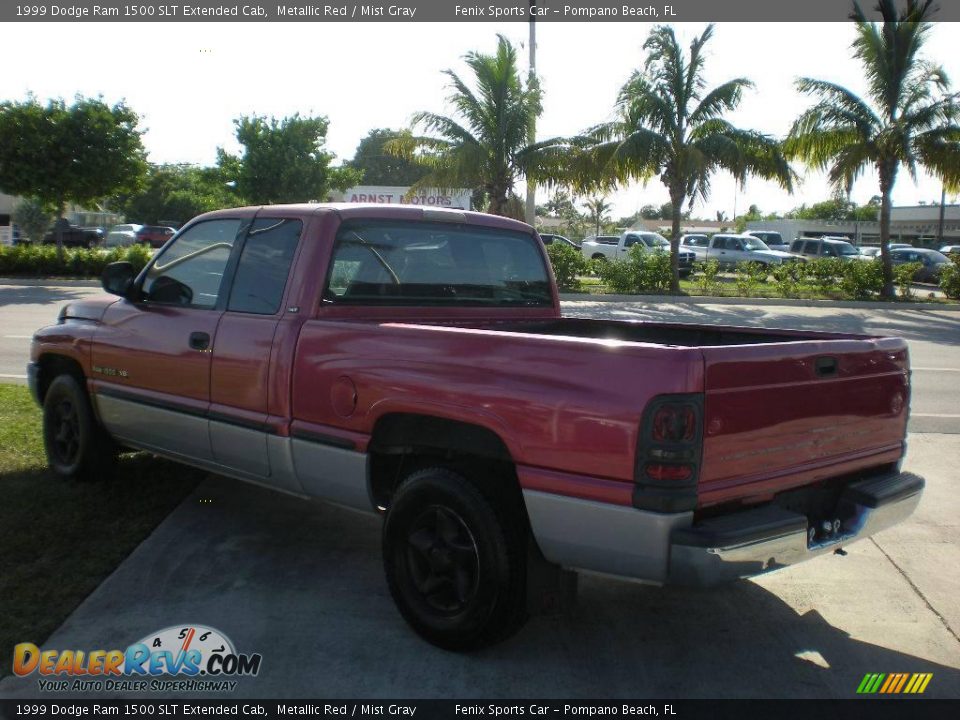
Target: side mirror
<point x="117" y="279"/>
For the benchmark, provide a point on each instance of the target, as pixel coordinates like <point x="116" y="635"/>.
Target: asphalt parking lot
<point x="302" y="584"/>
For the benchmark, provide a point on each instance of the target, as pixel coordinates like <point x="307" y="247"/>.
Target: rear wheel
<point x="455" y="560"/>
<point x="77" y="447"/>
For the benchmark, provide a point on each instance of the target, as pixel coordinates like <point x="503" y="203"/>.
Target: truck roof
<point x="385" y="211"/>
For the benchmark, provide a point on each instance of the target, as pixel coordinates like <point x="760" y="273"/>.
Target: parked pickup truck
<point x="414" y="362"/>
<point x="607" y="247"/>
<point x="728" y="250"/>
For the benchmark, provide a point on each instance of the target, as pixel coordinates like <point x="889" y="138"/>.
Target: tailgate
<point x="786" y="414"/>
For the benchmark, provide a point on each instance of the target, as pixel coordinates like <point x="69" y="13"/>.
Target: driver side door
<point x="151" y="358"/>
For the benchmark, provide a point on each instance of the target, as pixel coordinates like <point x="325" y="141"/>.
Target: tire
<point x="77" y="447"/>
<point x="598" y="256"/>
<point x="455" y="560"/>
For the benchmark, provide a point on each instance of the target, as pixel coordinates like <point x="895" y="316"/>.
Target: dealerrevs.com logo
<point x="200" y="658"/>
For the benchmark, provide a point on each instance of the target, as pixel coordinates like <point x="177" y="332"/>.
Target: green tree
<point x="598" y="212"/>
<point x="670" y="125"/>
<point x="907" y="119"/>
<point x="178" y="193"/>
<point x="33" y="217"/>
<point x="60" y="154"/>
<point x="284" y="161"/>
<point x="484" y="145"/>
<point x="380" y="167"/>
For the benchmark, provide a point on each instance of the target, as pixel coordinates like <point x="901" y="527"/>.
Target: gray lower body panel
<point x="333" y="474"/>
<point x="612" y="539"/>
<point x="156" y="428"/>
<point x="300" y="467"/>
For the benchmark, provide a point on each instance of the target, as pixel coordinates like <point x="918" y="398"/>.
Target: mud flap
<point x="551" y="589"/>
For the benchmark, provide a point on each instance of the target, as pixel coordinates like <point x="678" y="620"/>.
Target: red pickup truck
<point x="414" y="362"/>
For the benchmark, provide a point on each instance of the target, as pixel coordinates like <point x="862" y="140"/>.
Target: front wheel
<point x="77" y="447"/>
<point x="454" y="561"/>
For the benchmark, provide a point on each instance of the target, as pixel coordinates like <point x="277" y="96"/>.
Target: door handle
<point x="199" y="340"/>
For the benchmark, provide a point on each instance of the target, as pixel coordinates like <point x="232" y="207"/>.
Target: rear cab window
<point x="393" y="262"/>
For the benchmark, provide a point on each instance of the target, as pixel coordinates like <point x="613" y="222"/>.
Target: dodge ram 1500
<point x="414" y="362"/>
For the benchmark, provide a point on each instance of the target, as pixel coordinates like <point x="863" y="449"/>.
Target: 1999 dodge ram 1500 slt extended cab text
<point x="414" y="362"/>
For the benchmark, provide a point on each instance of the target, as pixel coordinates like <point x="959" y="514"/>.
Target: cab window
<point x="264" y="266"/>
<point x="190" y="271"/>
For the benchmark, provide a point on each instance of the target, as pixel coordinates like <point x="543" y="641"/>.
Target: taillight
<point x="674" y="422"/>
<point x="668" y="453"/>
<point x="659" y="471"/>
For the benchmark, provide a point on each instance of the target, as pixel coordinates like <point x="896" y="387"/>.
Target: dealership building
<point x="918" y="225"/>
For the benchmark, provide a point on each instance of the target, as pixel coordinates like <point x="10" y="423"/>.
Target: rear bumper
<point x="669" y="548"/>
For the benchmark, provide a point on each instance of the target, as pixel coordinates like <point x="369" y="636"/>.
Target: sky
<point x="188" y="81"/>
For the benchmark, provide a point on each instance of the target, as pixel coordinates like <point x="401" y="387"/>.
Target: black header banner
<point x="445" y="11"/>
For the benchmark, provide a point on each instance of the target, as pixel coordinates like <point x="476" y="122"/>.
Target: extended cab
<point x="414" y="362"/>
<point x="609" y="247"/>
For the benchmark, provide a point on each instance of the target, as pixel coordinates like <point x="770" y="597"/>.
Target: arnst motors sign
<point x="458" y="199"/>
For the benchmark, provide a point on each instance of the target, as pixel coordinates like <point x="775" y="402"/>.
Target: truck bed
<point x="781" y="408"/>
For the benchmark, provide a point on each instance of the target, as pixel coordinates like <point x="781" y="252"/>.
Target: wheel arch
<point x="53" y="364"/>
<point x="402" y="442"/>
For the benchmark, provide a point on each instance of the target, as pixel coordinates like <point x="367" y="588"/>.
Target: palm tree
<point x="908" y="117"/>
<point x="598" y="211"/>
<point x="669" y="124"/>
<point x="486" y="145"/>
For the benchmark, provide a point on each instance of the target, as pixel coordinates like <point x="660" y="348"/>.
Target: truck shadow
<point x="302" y="584"/>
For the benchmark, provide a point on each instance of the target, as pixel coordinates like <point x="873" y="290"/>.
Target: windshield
<point x="754" y="244"/>
<point x="937" y="257"/>
<point x="394" y="262"/>
<point x="844" y="248"/>
<point x="654" y="240"/>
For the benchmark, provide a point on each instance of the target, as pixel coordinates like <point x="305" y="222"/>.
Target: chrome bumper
<point x="668" y="548"/>
<point x="757" y="541"/>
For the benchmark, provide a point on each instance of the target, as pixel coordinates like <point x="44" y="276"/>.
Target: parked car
<point x="827" y="248"/>
<point x="648" y="242"/>
<point x="550" y="239"/>
<point x="729" y="249"/>
<point x="420" y="354"/>
<point x="771" y="238"/>
<point x="123" y="235"/>
<point x="950" y="249"/>
<point x="73" y="236"/>
<point x="932" y="262"/>
<point x="154" y="235"/>
<point x="597" y="247"/>
<point x="694" y="241"/>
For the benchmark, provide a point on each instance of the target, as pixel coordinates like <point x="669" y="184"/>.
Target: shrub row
<point x="43" y="260"/>
<point x="641" y="272"/>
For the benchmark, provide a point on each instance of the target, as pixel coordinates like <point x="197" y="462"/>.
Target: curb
<point x="49" y="282"/>
<point x="771" y="302"/>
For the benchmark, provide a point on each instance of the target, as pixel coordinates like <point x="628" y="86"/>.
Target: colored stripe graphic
<point x="894" y="683"/>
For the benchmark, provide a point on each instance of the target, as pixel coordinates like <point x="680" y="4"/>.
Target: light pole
<point x="530" y="212"/>
<point x="943" y="202"/>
